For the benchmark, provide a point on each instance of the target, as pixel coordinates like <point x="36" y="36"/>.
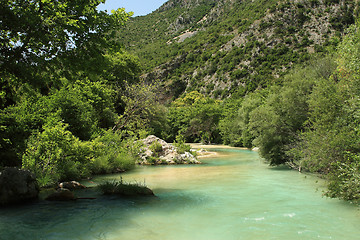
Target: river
<point x="233" y="195"/>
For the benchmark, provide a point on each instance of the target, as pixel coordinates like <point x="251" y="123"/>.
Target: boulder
<point x="256" y="149"/>
<point x="71" y="185"/>
<point x="62" y="194"/>
<point x="168" y="154"/>
<point x="17" y="186"/>
<point x="187" y="158"/>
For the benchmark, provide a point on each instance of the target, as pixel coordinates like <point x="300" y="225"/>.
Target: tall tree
<point x="38" y="35"/>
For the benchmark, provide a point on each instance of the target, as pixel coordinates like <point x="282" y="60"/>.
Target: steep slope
<point x="229" y="47"/>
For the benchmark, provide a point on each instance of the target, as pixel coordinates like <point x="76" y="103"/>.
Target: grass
<point x="124" y="188"/>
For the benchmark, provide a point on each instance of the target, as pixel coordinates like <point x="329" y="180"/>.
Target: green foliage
<point x="84" y="105"/>
<point x="196" y="117"/>
<point x="55" y="56"/>
<point x="235" y="126"/>
<point x="156" y="148"/>
<point x="213" y="57"/>
<point x="45" y="40"/>
<point x="180" y="145"/>
<point x="141" y="107"/>
<point x="113" y="153"/>
<point x="122" y="68"/>
<point x="344" y="180"/>
<point x="330" y="141"/>
<point x="55" y="154"/>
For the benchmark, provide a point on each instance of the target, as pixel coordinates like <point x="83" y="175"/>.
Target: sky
<point x="139" y="7"/>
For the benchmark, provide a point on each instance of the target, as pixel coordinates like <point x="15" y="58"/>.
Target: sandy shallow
<point x="208" y="153"/>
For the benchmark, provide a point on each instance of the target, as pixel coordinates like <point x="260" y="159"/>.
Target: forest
<point x="73" y="102"/>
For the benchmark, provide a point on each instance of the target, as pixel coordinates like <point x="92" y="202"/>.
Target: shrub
<point x="180" y="144"/>
<point x="156" y="148"/>
<point x="113" y="153"/>
<point x="55" y="154"/>
<point x="344" y="180"/>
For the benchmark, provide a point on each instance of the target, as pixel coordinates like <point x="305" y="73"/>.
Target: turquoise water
<point x="234" y="196"/>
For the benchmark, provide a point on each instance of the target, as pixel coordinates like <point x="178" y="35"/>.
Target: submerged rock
<point x="132" y="191"/>
<point x="62" y="194"/>
<point x="71" y="185"/>
<point x="17" y="186"/>
<point x="168" y="154"/>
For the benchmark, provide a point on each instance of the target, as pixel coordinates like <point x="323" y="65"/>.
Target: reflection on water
<point x="235" y="196"/>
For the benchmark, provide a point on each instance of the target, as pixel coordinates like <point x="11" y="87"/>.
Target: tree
<point x="140" y="107"/>
<point x="57" y="59"/>
<point x="56" y="37"/>
<point x="196" y="117"/>
<point x="277" y="123"/>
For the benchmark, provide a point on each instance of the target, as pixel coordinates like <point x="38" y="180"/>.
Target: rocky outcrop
<point x="17" y="186"/>
<point x="164" y="153"/>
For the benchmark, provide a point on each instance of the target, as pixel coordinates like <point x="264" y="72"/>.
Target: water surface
<point x="235" y="196"/>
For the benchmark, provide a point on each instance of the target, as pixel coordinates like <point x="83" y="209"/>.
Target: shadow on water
<point x="88" y="219"/>
<point x="282" y="167"/>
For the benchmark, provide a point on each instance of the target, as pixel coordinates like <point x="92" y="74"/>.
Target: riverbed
<point x="232" y="195"/>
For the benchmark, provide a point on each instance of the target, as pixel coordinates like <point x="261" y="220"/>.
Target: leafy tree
<point x="57" y="60"/>
<point x="196" y="117"/>
<point x="34" y="32"/>
<point x="235" y="126"/>
<point x="331" y="143"/>
<point x="141" y="107"/>
<point x="277" y="123"/>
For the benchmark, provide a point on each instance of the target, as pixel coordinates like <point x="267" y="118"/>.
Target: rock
<point x="17" y="186"/>
<point x="168" y="154"/>
<point x="71" y="185"/>
<point x="135" y="191"/>
<point x="62" y="194"/>
<point x="187" y="158"/>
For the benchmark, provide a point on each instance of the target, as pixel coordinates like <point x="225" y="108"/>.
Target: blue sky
<point x="139" y="7"/>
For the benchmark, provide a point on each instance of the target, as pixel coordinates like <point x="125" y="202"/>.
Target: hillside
<point x="227" y="46"/>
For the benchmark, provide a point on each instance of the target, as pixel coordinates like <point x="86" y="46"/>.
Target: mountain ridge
<point x="225" y="47"/>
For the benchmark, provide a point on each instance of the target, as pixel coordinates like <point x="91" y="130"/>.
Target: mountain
<point x="231" y="47"/>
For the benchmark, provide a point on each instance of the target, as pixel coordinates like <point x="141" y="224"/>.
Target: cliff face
<point x="231" y="46"/>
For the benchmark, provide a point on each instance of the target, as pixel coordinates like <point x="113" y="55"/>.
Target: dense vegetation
<point x="73" y="103"/>
<point x="310" y="121"/>
<point x="66" y="90"/>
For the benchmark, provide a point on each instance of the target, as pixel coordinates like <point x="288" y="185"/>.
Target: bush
<point x="156" y="148"/>
<point x="113" y="153"/>
<point x="344" y="180"/>
<point x="180" y="144"/>
<point x="55" y="154"/>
